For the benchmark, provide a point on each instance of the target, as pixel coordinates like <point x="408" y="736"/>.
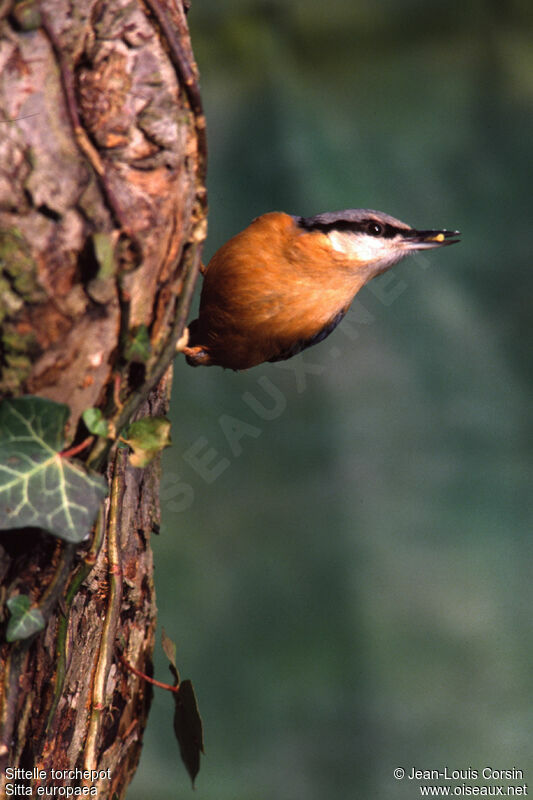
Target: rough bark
<point x="102" y="217"/>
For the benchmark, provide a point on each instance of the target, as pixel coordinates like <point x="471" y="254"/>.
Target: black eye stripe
<point x="387" y="231"/>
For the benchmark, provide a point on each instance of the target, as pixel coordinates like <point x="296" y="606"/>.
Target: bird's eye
<point x="374" y="228"/>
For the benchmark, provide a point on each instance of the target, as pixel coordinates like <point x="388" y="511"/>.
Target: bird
<point x="285" y="282"/>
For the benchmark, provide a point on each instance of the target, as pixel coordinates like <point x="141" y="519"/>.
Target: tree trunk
<point x="102" y="218"/>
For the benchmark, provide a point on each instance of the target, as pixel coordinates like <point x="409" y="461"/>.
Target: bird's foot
<point x="196" y="356"/>
<point x="183" y="341"/>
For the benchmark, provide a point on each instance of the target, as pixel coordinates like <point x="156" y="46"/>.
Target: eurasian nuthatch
<point x="284" y="283"/>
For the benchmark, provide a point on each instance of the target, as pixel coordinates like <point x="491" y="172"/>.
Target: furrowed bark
<point x="102" y="219"/>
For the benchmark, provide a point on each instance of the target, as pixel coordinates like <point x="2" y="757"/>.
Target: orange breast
<point x="267" y="290"/>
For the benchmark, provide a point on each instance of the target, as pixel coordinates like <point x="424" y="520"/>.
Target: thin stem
<point x="114" y="602"/>
<point x="73" y="451"/>
<point x="147" y="678"/>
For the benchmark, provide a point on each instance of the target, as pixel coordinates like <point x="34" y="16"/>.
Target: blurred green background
<point x="348" y="577"/>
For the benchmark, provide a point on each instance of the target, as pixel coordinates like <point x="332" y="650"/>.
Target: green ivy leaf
<point x="139" y="347"/>
<point x="25" y="620"/>
<point x="38" y="487"/>
<point x="147" y="437"/>
<point x="95" y="422"/>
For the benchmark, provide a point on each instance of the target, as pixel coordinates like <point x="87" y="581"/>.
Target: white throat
<point x="373" y="253"/>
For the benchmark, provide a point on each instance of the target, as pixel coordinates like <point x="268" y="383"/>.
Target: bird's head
<point x="371" y="240"/>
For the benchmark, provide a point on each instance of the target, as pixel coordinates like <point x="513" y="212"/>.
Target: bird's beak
<point x="424" y="240"/>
